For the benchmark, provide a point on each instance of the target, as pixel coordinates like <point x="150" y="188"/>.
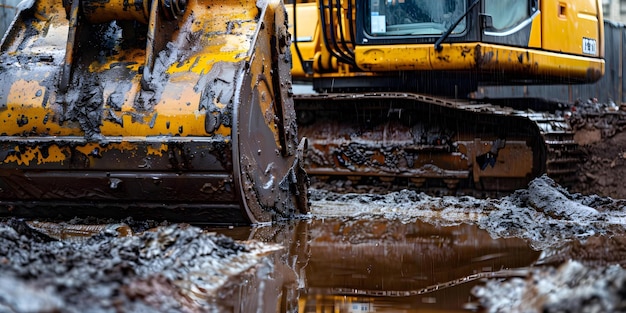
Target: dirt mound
<point x="545" y="214"/>
<point x="602" y="139"/>
<point x="172" y="268"/>
<point x="571" y="287"/>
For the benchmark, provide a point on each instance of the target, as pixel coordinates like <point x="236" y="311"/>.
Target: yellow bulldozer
<point x="176" y="109"/>
<point x="394" y="85"/>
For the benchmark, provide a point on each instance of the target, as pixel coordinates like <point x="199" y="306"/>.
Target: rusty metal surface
<point x="611" y="87"/>
<point x="432" y="141"/>
<point x="191" y="111"/>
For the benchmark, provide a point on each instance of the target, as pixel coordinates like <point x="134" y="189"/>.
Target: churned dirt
<point x="602" y="137"/>
<point x="170" y="268"/>
<point x="580" y="237"/>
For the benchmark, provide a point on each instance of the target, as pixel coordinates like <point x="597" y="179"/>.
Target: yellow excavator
<point x="393" y="83"/>
<point x="175" y="109"/>
<point x="183" y="109"/>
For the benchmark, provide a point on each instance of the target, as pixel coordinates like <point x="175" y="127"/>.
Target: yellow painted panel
<point x="482" y="57"/>
<point x="393" y="57"/>
<point x="535" y="32"/>
<point x="307" y="36"/>
<point x="540" y="63"/>
<point x="453" y="57"/>
<point x="571" y="26"/>
<point x="29" y="110"/>
<point x="211" y="31"/>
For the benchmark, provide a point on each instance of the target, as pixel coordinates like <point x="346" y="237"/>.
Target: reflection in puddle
<point x="384" y="266"/>
<point x="367" y="255"/>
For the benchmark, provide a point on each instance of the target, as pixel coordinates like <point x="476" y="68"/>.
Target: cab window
<point x="414" y="17"/>
<point x="506" y="14"/>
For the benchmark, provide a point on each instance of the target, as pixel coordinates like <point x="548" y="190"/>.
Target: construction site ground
<point x="545" y="248"/>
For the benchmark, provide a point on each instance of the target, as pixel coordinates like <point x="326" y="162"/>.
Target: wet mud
<point x="323" y="264"/>
<point x="401" y="251"/>
<point x="169" y="268"/>
<point x="585" y="231"/>
<point x="570" y="287"/>
<point x="544" y="248"/>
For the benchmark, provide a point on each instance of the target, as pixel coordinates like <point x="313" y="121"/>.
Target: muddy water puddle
<point x="541" y="249"/>
<point x="379" y="265"/>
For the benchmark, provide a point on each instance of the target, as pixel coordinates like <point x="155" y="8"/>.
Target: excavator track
<point x="563" y="152"/>
<point x="432" y="143"/>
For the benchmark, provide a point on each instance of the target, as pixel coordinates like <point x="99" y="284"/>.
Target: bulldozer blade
<point x="186" y="117"/>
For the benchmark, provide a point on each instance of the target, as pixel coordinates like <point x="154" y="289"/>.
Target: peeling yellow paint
<point x="55" y="154"/>
<point x="158" y="151"/>
<point x="92" y="147"/>
<point x="27" y="93"/>
<point x="223" y="131"/>
<point x="221" y="32"/>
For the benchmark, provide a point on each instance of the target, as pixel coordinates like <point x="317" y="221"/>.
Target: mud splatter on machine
<point x="395" y="84"/>
<point x="169" y="108"/>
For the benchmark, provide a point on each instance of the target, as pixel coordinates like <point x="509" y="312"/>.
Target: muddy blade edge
<point x="118" y="179"/>
<point x="190" y="123"/>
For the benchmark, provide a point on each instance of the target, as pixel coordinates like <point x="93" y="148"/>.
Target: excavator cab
<point x="487" y="41"/>
<point x="171" y="109"/>
<point x="394" y="80"/>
